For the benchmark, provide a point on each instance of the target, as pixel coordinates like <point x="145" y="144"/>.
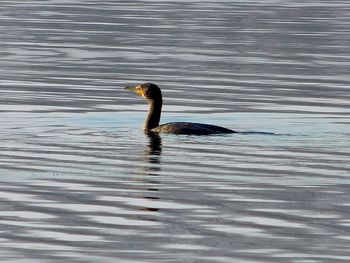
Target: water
<point x="80" y="182"/>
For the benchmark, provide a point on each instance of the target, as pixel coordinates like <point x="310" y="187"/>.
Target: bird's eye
<point x="147" y="92"/>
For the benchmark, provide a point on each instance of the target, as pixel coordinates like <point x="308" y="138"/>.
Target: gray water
<point x="81" y="182"/>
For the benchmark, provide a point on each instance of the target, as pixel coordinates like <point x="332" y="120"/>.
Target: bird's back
<point x="191" y="128"/>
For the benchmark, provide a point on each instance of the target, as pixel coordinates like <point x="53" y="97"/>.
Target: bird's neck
<point x="153" y="118"/>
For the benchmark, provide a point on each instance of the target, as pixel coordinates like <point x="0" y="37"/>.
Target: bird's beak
<point x="137" y="89"/>
<point x="130" y="88"/>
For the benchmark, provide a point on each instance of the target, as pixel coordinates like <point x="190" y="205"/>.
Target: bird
<point x="153" y="94"/>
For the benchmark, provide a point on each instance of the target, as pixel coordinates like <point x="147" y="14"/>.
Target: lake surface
<point x="81" y="182"/>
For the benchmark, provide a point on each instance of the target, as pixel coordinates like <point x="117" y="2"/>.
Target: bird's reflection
<point x="151" y="156"/>
<point x="149" y="170"/>
<point x="154" y="150"/>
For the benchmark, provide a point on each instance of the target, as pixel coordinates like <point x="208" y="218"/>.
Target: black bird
<point x="153" y="95"/>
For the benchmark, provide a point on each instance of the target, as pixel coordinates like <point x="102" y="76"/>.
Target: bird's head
<point x="149" y="91"/>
